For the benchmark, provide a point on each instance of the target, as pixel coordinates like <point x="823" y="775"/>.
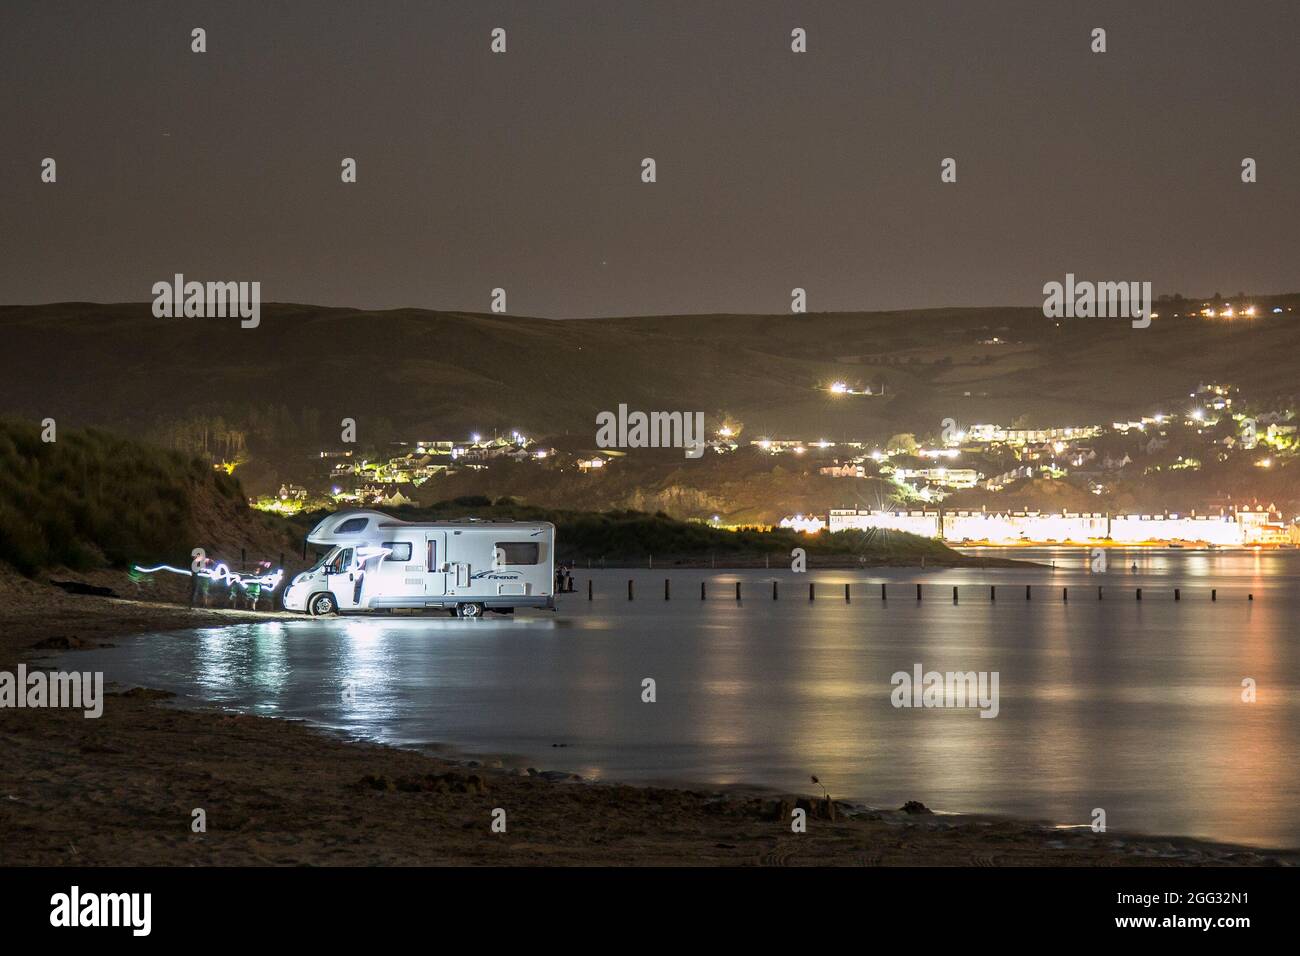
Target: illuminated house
<point x="1211" y="529"/>
<point x="924" y="523"/>
<point x="989" y="434"/>
<point x="394" y="498"/>
<point x="846" y="470"/>
<point x="1263" y="527"/>
<point x="943" y="477"/>
<point x="808" y="524"/>
<point x="1022" y="526"/>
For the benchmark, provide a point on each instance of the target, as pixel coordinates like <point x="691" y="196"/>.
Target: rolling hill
<point x="436" y="374"/>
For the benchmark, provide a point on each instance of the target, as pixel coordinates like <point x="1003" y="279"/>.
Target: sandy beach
<point x="122" y="789"/>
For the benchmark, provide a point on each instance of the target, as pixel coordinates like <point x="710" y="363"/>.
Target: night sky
<point x="522" y="170"/>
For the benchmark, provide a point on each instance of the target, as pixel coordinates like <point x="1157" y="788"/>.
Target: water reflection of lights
<point x="215" y="660"/>
<point x="368" y="686"/>
<point x="269" y="667"/>
<point x="230" y="661"/>
<point x="362" y="675"/>
<point x="1104" y="702"/>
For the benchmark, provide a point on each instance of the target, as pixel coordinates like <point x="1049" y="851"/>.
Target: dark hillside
<point x="92" y="499"/>
<point x="436" y="374"/>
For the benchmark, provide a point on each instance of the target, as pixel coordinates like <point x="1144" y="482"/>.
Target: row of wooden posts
<point x="884" y="596"/>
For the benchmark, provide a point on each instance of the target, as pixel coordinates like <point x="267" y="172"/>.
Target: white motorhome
<point x="466" y="566"/>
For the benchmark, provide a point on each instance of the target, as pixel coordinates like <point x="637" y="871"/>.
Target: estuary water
<point x="1134" y="707"/>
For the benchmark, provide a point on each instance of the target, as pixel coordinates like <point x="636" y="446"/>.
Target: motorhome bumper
<point x="294" y="598"/>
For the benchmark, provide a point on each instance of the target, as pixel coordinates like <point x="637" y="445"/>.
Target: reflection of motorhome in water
<point x="376" y="562"/>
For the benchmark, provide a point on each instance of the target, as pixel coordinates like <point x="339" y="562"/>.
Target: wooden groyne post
<point x="884" y="592"/>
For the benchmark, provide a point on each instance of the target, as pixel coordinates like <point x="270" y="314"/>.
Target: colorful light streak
<point x="221" y="572"/>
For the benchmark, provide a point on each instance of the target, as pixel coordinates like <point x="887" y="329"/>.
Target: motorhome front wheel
<point x="322" y="604"/>
<point x="470" y="610"/>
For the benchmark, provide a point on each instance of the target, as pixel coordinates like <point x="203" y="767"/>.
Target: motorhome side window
<point x="397" y="550"/>
<point x="351" y="525"/>
<point x="519" y="552"/>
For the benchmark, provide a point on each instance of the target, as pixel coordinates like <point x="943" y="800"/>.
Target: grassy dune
<point x="92" y="499"/>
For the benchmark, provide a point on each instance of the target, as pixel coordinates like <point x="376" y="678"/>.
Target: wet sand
<point x="122" y="789"/>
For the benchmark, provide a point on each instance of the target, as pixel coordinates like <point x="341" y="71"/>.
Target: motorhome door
<point x="435" y="563"/>
<point x="343" y="579"/>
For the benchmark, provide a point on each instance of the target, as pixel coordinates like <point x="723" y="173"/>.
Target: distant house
<point x="943" y="477"/>
<point x="808" y="524"/>
<point x="398" y="495"/>
<point x="846" y="470"/>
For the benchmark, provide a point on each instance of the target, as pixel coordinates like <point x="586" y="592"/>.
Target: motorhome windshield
<point x="321" y="561"/>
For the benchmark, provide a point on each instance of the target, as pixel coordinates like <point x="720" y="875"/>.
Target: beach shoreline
<point x="124" y="789"/>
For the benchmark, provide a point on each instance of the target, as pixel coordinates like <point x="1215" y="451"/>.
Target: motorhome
<point x="375" y="562"/>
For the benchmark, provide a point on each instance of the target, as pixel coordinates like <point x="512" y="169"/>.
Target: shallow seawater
<point x="1134" y="707"/>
